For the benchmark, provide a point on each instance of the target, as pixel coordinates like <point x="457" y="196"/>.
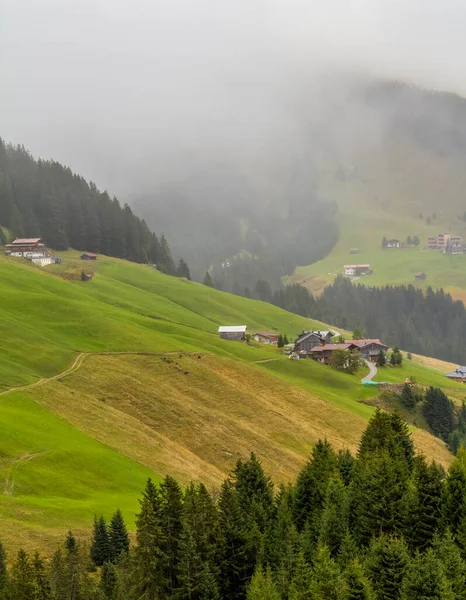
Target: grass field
<point x="365" y="217"/>
<point x="86" y="442"/>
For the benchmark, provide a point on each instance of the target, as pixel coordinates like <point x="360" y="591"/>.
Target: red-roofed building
<point x="266" y="337"/>
<point x="27" y="248"/>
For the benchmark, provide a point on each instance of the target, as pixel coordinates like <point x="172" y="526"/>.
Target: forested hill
<point x="46" y="199"/>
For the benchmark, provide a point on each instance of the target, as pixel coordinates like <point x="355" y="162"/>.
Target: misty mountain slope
<point x="408" y="181"/>
<point x="85" y="442"/>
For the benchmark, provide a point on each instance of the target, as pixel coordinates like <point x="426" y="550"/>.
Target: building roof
<point x="232" y="329"/>
<point x="459" y="372"/>
<point x="366" y="342"/>
<point x="318" y="333"/>
<point x="344" y="346"/>
<point x="356" y="266"/>
<point x="26" y="241"/>
<point x="420" y="274"/>
<point x="393" y="241"/>
<point x="88" y="254"/>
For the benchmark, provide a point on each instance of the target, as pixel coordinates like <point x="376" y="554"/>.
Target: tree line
<point x="382" y="525"/>
<point x="45" y="199"/>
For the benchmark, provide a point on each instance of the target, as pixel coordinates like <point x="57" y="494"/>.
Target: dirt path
<point x="77" y="364"/>
<point x="372" y="372"/>
<point x="265" y="360"/>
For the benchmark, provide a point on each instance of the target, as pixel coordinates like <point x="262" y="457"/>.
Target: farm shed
<point x="232" y="332"/>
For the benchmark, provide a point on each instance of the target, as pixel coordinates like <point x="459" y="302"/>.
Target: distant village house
<point x="446" y="243"/>
<point x="88" y="256"/>
<point x="232" y="332"/>
<point x="310" y="339"/>
<point x="356" y="270"/>
<point x="458" y="374"/>
<point x="354" y="250"/>
<point x="393" y="244"/>
<point x="324" y="354"/>
<point x="421" y="276"/>
<point x="27" y="248"/>
<point x="370" y="348"/>
<point x="266" y="337"/>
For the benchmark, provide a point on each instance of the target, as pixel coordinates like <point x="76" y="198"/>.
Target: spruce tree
<point x="327" y="581"/>
<point x="183" y="270"/>
<point x="171" y="512"/>
<point x="100" y="547"/>
<point x="208" y="280"/>
<point x="22" y="577"/>
<point x="42" y="589"/>
<point x="408" y="397"/>
<point x="381" y="359"/>
<point x="300" y="588"/>
<point x="108" y="581"/>
<point x="280" y="342"/>
<point x="358" y="586"/>
<point x="311" y="485"/>
<point x="425" y="579"/>
<point x="396" y="358"/>
<point x="438" y="412"/>
<point x="454" y="492"/>
<point x="386" y="564"/>
<point x="346" y="465"/>
<point x="262" y="587"/>
<point x="147" y="578"/>
<point x="117" y="537"/>
<point x="334" y="518"/>
<point x="454" y="566"/>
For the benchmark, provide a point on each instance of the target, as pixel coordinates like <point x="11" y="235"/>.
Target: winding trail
<point x="372" y="372"/>
<point x="78" y="362"/>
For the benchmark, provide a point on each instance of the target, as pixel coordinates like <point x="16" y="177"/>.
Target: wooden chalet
<point x="458" y="374"/>
<point x="420" y="276"/>
<point x="232" y="332"/>
<point x="356" y="270"/>
<point x="266" y="337"/>
<point x="27" y="248"/>
<point x="370" y="348"/>
<point x="324" y="353"/>
<point x="88" y="256"/>
<point x="310" y="339"/>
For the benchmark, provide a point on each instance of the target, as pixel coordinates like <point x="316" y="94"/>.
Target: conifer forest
<point x="382" y="525"/>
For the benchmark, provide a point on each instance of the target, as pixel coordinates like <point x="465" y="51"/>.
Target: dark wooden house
<point x="370" y="348"/>
<point x="310" y="339"/>
<point x="324" y="353"/>
<point x="88" y="256"/>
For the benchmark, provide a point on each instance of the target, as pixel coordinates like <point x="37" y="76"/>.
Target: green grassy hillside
<point x="155" y="392"/>
<point x="383" y="194"/>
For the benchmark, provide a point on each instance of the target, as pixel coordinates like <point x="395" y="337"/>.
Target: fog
<point x="136" y="94"/>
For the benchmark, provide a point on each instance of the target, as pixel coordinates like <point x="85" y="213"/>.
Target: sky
<point x="126" y="92"/>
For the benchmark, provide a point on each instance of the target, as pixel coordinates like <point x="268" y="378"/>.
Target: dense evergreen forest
<point x="45" y="199"/>
<point x="382" y="525"/>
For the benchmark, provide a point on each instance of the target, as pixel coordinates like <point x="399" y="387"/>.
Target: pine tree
<point x="255" y="491"/>
<point x="425" y="579"/>
<point x="311" y="485"/>
<point x="408" y="397"/>
<point x="171" y="512"/>
<point x="424" y="514"/>
<point x="346" y="465"/>
<point x="108" y="581"/>
<point x="165" y="260"/>
<point x="118" y="538"/>
<point x="280" y="342"/>
<point x="396" y="358"/>
<point x="357" y="334"/>
<point x="300" y="588"/>
<point x="58" y="576"/>
<point x="454" y="566"/>
<point x="42" y="589"/>
<point x="438" y="412"/>
<point x="327" y="581"/>
<point x="285" y="340"/>
<point x="100" y="547"/>
<point x="22" y="577"/>
<point x="208" y="280"/>
<point x="358" y="586"/>
<point x="386" y="564"/>
<point x="454" y="493"/>
<point x="334" y="519"/>
<point x="262" y="587"/>
<point x="148" y="562"/>
<point x="390" y="433"/>
<point x="381" y="359"/>
<point x="183" y="270"/>
<point x="409" y="241"/>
